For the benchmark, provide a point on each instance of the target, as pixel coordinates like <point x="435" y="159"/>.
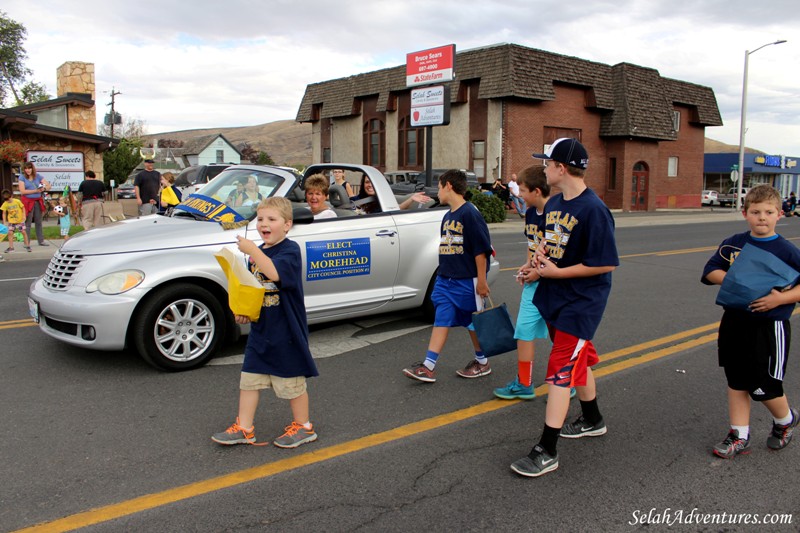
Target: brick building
<point x="644" y="133"/>
<point x="67" y="123"/>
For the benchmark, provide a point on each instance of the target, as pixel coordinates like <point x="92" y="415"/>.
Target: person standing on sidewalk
<point x="575" y="259"/>
<point x="516" y="199"/>
<point x="464" y="251"/>
<point x="32" y="187"/>
<point x="146" y="184"/>
<point x="91" y="190"/>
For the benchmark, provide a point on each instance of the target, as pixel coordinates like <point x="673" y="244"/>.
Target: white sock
<point x="744" y="431"/>
<point x="307" y="425"/>
<point x="785" y="421"/>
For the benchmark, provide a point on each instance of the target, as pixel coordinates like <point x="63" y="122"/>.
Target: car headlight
<point x="116" y="282"/>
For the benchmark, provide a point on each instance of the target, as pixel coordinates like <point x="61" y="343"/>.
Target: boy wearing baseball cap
<point x="574" y="260"/>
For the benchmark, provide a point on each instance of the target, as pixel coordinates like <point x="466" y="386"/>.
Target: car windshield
<point x="240" y="189"/>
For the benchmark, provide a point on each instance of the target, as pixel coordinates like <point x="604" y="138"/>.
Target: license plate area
<point x="33" y="309"/>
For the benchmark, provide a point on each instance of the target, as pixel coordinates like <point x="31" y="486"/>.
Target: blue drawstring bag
<point x="753" y="274"/>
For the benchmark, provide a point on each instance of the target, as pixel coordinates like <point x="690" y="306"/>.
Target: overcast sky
<point x="205" y="64"/>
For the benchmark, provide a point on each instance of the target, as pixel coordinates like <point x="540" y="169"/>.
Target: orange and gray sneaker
<point x="420" y="372"/>
<point x="235" y="434"/>
<point x="475" y="370"/>
<point x="295" y="435"/>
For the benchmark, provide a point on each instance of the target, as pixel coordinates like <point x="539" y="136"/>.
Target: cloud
<point x="206" y="64"/>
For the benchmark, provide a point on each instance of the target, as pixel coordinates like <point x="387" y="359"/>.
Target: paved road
<point x="105" y="432"/>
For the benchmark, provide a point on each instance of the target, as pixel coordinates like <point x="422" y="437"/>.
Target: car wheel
<point x="179" y="327"/>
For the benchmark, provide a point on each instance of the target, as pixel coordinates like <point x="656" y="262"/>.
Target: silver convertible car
<point x="153" y="283"/>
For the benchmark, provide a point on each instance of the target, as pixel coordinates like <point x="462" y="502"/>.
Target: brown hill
<point x="286" y="141"/>
<point x="718" y="147"/>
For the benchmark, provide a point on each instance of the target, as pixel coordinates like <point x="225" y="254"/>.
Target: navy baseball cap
<point x="567" y="151"/>
<point x="149" y="161"/>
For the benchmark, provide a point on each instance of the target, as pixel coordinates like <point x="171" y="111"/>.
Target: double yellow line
<point x="12" y="324"/>
<point x="622" y="359"/>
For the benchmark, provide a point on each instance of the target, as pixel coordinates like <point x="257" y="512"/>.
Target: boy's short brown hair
<point x="282" y="205"/>
<point x="763" y="194"/>
<point x="6" y="194"/>
<point x="457" y="179"/>
<point x="534" y="178"/>
<point x="317" y="182"/>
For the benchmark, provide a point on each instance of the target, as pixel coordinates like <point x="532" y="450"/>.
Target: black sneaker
<point x="536" y="463"/>
<point x="732" y="446"/>
<point x="782" y="435"/>
<point x="582" y="428"/>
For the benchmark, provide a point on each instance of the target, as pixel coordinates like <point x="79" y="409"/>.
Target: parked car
<point x="191" y="179"/>
<point x="708" y="198"/>
<point x="152" y="283"/>
<point x="417" y="183"/>
<point x="126" y="190"/>
<point x="401" y="176"/>
<point x="730" y="197"/>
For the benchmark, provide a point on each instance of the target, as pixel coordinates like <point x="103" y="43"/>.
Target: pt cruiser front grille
<point x="61" y="270"/>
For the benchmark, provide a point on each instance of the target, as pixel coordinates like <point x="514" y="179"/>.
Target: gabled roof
<point x="634" y="100"/>
<point x="80" y="99"/>
<point x="197" y="144"/>
<point x="13" y="120"/>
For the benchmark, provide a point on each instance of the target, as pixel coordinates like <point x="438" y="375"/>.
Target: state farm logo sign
<point x="430" y="66"/>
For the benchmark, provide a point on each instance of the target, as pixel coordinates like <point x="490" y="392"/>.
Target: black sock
<point x="549" y="439"/>
<point x="591" y="413"/>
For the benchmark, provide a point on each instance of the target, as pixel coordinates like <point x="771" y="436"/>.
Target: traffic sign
<point x="734" y="176"/>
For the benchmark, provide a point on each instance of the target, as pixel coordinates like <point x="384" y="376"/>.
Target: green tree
<point x="264" y="159"/>
<point x="13" y="72"/>
<point x="119" y="162"/>
<point x="131" y="128"/>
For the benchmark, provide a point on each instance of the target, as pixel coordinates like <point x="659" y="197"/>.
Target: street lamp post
<point x="742" y="125"/>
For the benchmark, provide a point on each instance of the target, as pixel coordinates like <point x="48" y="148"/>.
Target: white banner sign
<point x="59" y="168"/>
<point x="428" y="106"/>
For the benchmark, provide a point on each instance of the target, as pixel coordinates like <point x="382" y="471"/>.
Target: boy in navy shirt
<point x="277" y="354"/>
<point x="464" y="251"/>
<point x="575" y="259"/>
<point x="753" y="344"/>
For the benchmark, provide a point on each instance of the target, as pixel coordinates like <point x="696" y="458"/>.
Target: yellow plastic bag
<point x="245" y="293"/>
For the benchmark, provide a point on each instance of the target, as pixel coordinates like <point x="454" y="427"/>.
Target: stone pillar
<point x="78" y="77"/>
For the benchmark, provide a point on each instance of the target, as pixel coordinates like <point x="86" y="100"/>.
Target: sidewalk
<point x="513" y="223"/>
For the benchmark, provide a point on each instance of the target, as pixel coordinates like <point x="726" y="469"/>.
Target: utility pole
<point x="113" y="114"/>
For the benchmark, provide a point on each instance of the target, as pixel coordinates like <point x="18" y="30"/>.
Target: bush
<point x="490" y="206"/>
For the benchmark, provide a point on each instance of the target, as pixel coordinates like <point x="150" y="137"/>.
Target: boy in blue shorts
<point x="753" y="344"/>
<point x="575" y="259"/>
<point x="277" y="354"/>
<point x="464" y="251"/>
<point x="535" y="191"/>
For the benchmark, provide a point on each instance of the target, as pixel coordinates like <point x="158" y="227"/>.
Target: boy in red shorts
<point x="575" y="259"/>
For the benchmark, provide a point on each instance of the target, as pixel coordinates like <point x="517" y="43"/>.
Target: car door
<point x="349" y="264"/>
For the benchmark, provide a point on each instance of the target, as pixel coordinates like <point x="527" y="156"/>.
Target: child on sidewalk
<point x="14" y="217"/>
<point x="575" y="259"/>
<point x="277" y="354"/>
<point x="753" y="345"/>
<point x="464" y="251"/>
<point x="535" y="191"/>
<point x="64" y="217"/>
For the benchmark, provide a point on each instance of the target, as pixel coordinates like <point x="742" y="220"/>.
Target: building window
<point x="374" y="142"/>
<point x="326" y="155"/>
<point x="409" y="149"/>
<point x="479" y="158"/>
<point x="220" y="156"/>
<point x="672" y="167"/>
<point x="612" y="174"/>
<point x="676" y="121"/>
<point x="55" y="117"/>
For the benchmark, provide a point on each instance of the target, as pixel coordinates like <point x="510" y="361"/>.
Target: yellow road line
<point x="191" y="490"/>
<point x="24" y="323"/>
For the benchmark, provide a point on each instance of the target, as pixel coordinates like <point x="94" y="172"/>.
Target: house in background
<point x="67" y="123"/>
<point x="207" y="149"/>
<point x="644" y="133"/>
<point x="782" y="172"/>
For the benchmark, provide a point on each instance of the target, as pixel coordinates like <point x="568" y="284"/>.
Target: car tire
<point x="185" y="343"/>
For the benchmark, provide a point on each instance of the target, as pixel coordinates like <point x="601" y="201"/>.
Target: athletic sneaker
<point x="581" y="428"/>
<point x="421" y="372"/>
<point x="782" y="435"/>
<point x="514" y="390"/>
<point x="732" y="446"/>
<point x="474" y="370"/>
<point x="536" y="463"/>
<point x="235" y="434"/>
<point x="295" y="435"/>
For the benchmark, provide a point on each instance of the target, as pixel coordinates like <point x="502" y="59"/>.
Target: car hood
<point x="154" y="232"/>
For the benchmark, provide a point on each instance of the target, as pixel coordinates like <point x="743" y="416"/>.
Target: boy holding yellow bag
<point x="277" y="354"/>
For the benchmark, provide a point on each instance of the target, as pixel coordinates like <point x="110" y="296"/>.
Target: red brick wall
<point x="683" y="190"/>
